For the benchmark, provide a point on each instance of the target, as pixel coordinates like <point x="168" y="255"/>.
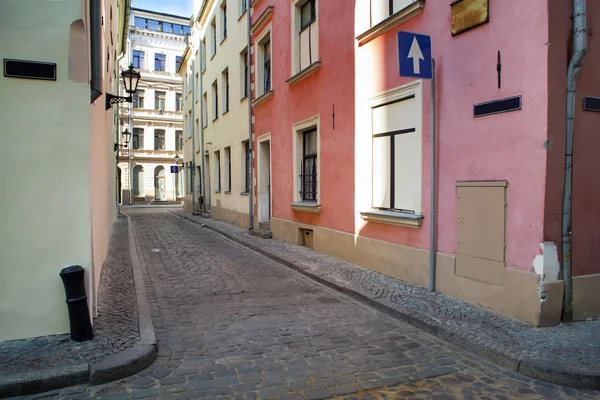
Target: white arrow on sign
<point x="416" y="54"/>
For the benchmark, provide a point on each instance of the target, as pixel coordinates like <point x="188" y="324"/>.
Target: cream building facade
<point x="155" y="118"/>
<point x="216" y="84"/>
<point x="66" y="200"/>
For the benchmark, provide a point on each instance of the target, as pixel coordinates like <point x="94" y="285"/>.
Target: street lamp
<point x="177" y="161"/>
<point x="131" y="78"/>
<point x="126" y="135"/>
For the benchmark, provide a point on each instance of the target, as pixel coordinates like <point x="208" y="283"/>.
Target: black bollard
<point x="79" y="314"/>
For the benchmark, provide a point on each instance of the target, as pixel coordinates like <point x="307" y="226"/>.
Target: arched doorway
<point x="138" y="181"/>
<point x="160" y="184"/>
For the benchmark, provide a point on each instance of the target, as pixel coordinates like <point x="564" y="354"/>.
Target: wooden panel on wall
<point x="481" y="229"/>
<point x="467" y="14"/>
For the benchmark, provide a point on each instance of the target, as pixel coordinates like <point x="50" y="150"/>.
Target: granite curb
<point x="547" y="370"/>
<point x="116" y="366"/>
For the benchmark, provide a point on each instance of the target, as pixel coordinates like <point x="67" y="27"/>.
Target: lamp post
<point x="126" y="135"/>
<point x="179" y="163"/>
<point x="131" y="78"/>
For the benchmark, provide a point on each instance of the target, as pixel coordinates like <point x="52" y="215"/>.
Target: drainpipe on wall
<point x="203" y="169"/>
<point x="579" y="52"/>
<point x="193" y="161"/>
<point x="249" y="76"/>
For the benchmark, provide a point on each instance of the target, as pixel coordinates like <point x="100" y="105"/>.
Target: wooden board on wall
<point x="467" y="14"/>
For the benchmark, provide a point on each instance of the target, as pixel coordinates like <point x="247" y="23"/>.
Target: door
<point x="264" y="182"/>
<point x="160" y="184"/>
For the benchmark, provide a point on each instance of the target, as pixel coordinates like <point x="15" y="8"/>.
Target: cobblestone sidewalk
<point x="563" y="354"/>
<point x="115" y="328"/>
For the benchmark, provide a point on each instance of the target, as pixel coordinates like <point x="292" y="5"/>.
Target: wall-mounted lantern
<point x="131" y="78"/>
<point x="126" y="135"/>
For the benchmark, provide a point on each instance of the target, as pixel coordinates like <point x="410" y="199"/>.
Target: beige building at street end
<point x="215" y="74"/>
<point x="59" y="66"/>
<point x="155" y="46"/>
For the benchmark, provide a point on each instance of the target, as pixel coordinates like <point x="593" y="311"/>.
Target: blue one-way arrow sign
<point x="414" y="54"/>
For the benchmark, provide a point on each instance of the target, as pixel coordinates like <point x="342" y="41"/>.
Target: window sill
<point x="213" y="56"/>
<point x="263" y="97"/>
<point x="222" y="40"/>
<point x="214" y="119"/>
<point x="217" y="191"/>
<point x="392" y="218"/>
<point x="307" y="206"/>
<point x="304" y="73"/>
<point x="226" y="112"/>
<point x="391" y="22"/>
<point x="242" y="15"/>
<point x="244" y="98"/>
<point x="227" y="192"/>
<point x="245" y="193"/>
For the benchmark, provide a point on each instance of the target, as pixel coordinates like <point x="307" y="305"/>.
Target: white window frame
<point x="295" y="35"/>
<point x="217" y="169"/>
<point x="259" y="62"/>
<point x="393" y="95"/>
<point x="297" y="139"/>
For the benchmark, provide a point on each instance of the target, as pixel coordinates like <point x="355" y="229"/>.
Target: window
<point x="247" y="156"/>
<point x="263" y="63"/>
<point x="178" y="140"/>
<point x="382" y="9"/>
<point x="217" y="172"/>
<point x="167" y="27"/>
<point x="140" y="22"/>
<point x="159" y="100"/>
<point x="204" y="110"/>
<point x="397" y="155"/>
<point x="178" y="102"/>
<point x="305" y="35"/>
<point x="177" y="62"/>
<point x="225" y="90"/>
<point x="244" y="73"/>
<point x="159" y="139"/>
<point x="213" y="28"/>
<point x="191" y="174"/>
<point x="308" y="174"/>
<point x="159" y="62"/>
<point x="153" y="25"/>
<point x="267" y="66"/>
<point x="138" y="59"/>
<point x="137" y="141"/>
<point x="138" y="181"/>
<point x="243" y="6"/>
<point x="227" y="165"/>
<point x="187" y="30"/>
<point x="224" y="21"/>
<point x="138" y="99"/>
<point x="203" y="55"/>
<point x="215" y="94"/>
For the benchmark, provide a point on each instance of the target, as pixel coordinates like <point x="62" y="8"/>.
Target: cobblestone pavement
<point x="575" y="346"/>
<point x="233" y="324"/>
<point x="115" y="328"/>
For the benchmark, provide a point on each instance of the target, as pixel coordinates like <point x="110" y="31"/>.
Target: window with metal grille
<point x="308" y="175"/>
<point x="159" y="139"/>
<point x="138" y="59"/>
<point x="267" y="66"/>
<point x="159" y="62"/>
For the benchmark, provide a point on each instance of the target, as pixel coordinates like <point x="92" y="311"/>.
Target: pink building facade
<point x="499" y="177"/>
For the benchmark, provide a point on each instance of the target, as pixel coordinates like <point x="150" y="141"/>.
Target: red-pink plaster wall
<point x="507" y="146"/>
<point x="331" y="85"/>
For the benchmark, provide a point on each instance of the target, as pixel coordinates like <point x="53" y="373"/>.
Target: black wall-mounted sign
<point x="497" y="106"/>
<point x="29" y="69"/>
<point x="591" y="103"/>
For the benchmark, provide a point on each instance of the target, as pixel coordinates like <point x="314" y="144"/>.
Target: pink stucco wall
<point x="502" y="147"/>
<point x="317" y="94"/>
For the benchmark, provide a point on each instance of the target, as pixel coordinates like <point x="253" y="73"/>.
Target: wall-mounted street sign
<point x="414" y="55"/>
<point x="29" y="69"/>
<point x="497" y="106"/>
<point x="591" y="103"/>
<point x="174" y="169"/>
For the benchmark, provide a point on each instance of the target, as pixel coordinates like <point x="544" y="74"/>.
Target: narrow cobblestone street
<point x="231" y="323"/>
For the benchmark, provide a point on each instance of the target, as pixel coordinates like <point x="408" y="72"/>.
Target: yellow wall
<point x="47" y="213"/>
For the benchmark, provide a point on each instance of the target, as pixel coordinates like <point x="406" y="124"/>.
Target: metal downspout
<point x="203" y="169"/>
<point x="432" y="231"/>
<point x="579" y="52"/>
<point x="249" y="76"/>
<point x="193" y="161"/>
